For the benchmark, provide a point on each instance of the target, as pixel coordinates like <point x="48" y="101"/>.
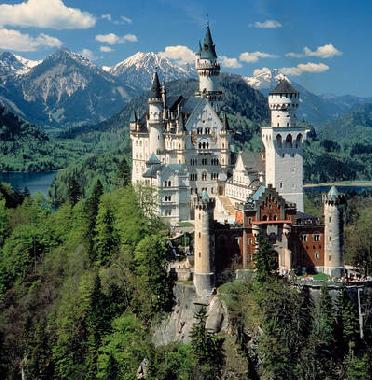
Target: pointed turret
<point x="225" y="122"/>
<point x="155" y="87"/>
<point x="208" y="50"/>
<point x="208" y="70"/>
<point x="180" y="124"/>
<point x="133" y="117"/>
<point x="199" y="49"/>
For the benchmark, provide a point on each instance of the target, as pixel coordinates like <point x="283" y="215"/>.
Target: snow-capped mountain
<point x="314" y="108"/>
<point x="67" y="89"/>
<point x="11" y="65"/>
<point x="137" y="70"/>
<point x="264" y="78"/>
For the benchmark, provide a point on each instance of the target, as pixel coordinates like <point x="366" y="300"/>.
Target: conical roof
<point x="205" y="196"/>
<point x="208" y="49"/>
<point x="333" y="192"/>
<point x="133" y="117"/>
<point x="153" y="160"/>
<point x="283" y="87"/>
<point x="155" y="86"/>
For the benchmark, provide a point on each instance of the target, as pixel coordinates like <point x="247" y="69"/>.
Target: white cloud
<point x="87" y="53"/>
<point x="113" y="39"/>
<point x="106" y="16"/>
<point x="45" y="14"/>
<point x="105" y="49"/>
<point x="267" y="24"/>
<point x="231" y="63"/>
<point x="11" y="39"/>
<point x="309" y="67"/>
<point x="126" y="19"/>
<point x="180" y="53"/>
<point x="254" y="57"/>
<point x="325" y="51"/>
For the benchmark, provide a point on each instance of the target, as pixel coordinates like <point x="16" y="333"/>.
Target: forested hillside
<point x="83" y="287"/>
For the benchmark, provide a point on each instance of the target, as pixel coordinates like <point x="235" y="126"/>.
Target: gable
<point x="204" y="116"/>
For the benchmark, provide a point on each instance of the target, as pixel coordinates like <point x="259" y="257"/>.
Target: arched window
<point x="169" y="184"/>
<point x="279" y="140"/>
<point x="299" y="140"/>
<point x="288" y="141"/>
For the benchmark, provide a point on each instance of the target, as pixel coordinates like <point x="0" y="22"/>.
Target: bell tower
<point x="283" y="142"/>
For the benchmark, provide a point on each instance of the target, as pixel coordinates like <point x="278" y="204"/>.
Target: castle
<point x="183" y="149"/>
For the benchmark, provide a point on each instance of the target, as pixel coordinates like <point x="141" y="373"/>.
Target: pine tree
<point x="106" y="239"/>
<point x="207" y="348"/>
<point x="91" y="211"/>
<point x="74" y="191"/>
<point x="124" y="173"/>
<point x="265" y="259"/>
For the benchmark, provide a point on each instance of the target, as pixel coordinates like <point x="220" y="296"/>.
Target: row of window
<point x="316" y="237"/>
<point x="195" y="190"/>
<point x="204" y="177"/>
<point x="207" y="131"/>
<point x="204" y="161"/>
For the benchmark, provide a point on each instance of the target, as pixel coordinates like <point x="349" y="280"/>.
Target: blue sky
<point x="249" y="34"/>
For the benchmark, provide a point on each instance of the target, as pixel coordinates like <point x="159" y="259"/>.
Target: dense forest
<point x="83" y="287"/>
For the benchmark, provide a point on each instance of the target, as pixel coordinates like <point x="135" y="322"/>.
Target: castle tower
<point x="155" y="116"/>
<point x="204" y="245"/>
<point x="283" y="142"/>
<point x="208" y="70"/>
<point x="334" y="210"/>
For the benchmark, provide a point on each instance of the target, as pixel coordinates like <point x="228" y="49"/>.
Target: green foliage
<point x="265" y="259"/>
<point x="123" y="349"/>
<point x="106" y="236"/>
<point x="206" y="348"/>
<point x="174" y="361"/>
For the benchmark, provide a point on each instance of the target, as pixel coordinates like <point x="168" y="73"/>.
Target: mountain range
<point x="317" y="109"/>
<point x="68" y="90"/>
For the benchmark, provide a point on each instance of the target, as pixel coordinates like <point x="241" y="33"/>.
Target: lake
<point x="35" y="182"/>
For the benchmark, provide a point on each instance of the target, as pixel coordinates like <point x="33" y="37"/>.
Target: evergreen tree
<point x="124" y="173"/>
<point x="207" y="349"/>
<point x="152" y="267"/>
<point x="91" y="210"/>
<point x="357" y="367"/>
<point x="106" y="239"/>
<point x="347" y="328"/>
<point x="4" y="222"/>
<point x="265" y="259"/>
<point x="74" y="190"/>
<point x="97" y="323"/>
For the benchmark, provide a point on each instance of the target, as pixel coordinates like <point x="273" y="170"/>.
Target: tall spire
<point x="208" y="49"/>
<point x="155" y="87"/>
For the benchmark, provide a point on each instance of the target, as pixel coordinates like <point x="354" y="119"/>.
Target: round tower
<point x="334" y="211"/>
<point x="204" y="245"/>
<point x="283" y="103"/>
<point x="208" y="69"/>
<point x="283" y="142"/>
<point x="155" y="116"/>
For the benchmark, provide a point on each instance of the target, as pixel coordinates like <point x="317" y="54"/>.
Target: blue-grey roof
<point x="208" y="50"/>
<point x="283" y="87"/>
<point x="155" y="87"/>
<point x="258" y="194"/>
<point x="153" y="160"/>
<point x="333" y="192"/>
<point x="133" y="117"/>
